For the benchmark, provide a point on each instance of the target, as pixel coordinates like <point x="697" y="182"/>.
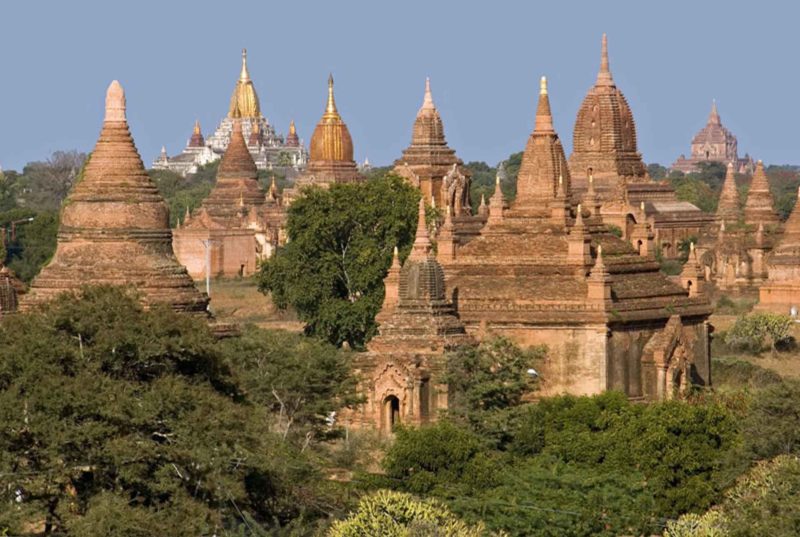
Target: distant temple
<point x="269" y="149"/>
<point x="331" y="153"/>
<point x="236" y="226"/>
<point x="608" y="173"/>
<point x="114" y="227"/>
<point x="781" y="292"/>
<point x="714" y="143"/>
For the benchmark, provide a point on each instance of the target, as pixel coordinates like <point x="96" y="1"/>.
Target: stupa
<point x="605" y="152"/>
<point x="270" y="151"/>
<point x="115" y="227"/>
<point x="714" y="143"/>
<point x="236" y="226"/>
<point x="760" y="206"/>
<point x="781" y="292"/>
<point x="403" y="369"/>
<point x="331" y="153"/>
<point x="546" y="270"/>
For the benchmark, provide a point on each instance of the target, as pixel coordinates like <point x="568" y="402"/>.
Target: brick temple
<point x="781" y="292"/>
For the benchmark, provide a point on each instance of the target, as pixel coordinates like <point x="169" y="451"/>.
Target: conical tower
<point x="760" y="206"/>
<point x="244" y="101"/>
<point x="728" y="207"/>
<point x="115" y="227"/>
<point x="543" y="163"/>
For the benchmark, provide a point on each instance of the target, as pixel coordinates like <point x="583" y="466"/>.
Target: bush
<point x="752" y="332"/>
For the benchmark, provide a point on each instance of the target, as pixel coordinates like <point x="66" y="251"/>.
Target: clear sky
<point x="179" y="61"/>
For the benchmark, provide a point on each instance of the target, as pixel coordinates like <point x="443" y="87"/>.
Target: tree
<point x="46" y="184"/>
<point x="751" y="332"/>
<point x="302" y="381"/>
<point x="340" y="244"/>
<point x="124" y="421"/>
<point x="396" y="514"/>
<point x="182" y="194"/>
<point x="656" y="171"/>
<point x="35" y="241"/>
<point x="772" y="425"/>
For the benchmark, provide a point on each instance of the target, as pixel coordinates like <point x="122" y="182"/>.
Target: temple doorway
<point x="391" y="413"/>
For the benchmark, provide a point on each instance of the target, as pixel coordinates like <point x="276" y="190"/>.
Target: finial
<point x="544" y="119"/>
<point x="604" y="75"/>
<point x="691" y="247"/>
<point x="115" y="102"/>
<point x="543" y="86"/>
<point x="196" y="126"/>
<point x="163" y="150"/>
<point x="422" y="242"/>
<point x="427" y="101"/>
<point x="483" y="199"/>
<point x="292" y="128"/>
<point x="244" y="75"/>
<point x="641" y="207"/>
<point x="331" y="106"/>
<point x="560" y="179"/>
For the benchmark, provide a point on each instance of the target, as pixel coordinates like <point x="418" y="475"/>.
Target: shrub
<point x="752" y="332"/>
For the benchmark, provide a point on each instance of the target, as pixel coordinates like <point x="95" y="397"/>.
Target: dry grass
<point x="238" y="301"/>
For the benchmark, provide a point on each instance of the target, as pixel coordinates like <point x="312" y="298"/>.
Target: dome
<point x="604" y="137"/>
<point x="244" y="101"/>
<point x="331" y="140"/>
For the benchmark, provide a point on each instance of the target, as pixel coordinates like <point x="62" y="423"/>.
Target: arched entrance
<point x="391" y="413"/>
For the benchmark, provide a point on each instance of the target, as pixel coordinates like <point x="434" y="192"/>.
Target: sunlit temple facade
<point x="269" y="149"/>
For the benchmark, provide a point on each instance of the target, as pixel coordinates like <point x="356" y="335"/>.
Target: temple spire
<point x="713" y="117"/>
<point x="427" y="101"/>
<point x="422" y="241"/>
<point x="115" y="102"/>
<point x="245" y="74"/>
<point x="544" y="118"/>
<point x="604" y="75"/>
<point x="330" y="108"/>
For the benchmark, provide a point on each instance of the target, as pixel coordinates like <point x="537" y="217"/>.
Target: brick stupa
<point x="728" y="208"/>
<point x="330" y="153"/>
<point x="115" y="227"/>
<point x="404" y="366"/>
<point x="545" y="271"/>
<point x="238" y="223"/>
<point x="781" y="292"/>
<point x="760" y="206"/>
<point x="604" y="149"/>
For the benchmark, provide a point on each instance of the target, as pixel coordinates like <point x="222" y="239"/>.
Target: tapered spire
<point x="330" y="107"/>
<point x="604" y="75"/>
<point x="544" y="118"/>
<point x="196" y="129"/>
<point x="427" y="101"/>
<point x="115" y="102"/>
<point x="713" y="117"/>
<point x="728" y="206"/>
<point x="422" y="241"/>
<point x="759" y="206"/>
<point x="244" y="76"/>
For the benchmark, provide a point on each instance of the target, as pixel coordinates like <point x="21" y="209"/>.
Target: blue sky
<point x="179" y="61"/>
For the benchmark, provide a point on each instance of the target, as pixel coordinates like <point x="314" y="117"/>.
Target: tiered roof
<point x="760" y="206"/>
<point x="115" y="226"/>
<point x="728" y="208"/>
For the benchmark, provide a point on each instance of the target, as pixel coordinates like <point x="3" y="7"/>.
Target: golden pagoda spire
<point x="292" y="128"/>
<point x="244" y="76"/>
<point x="196" y="127"/>
<point x="604" y="75"/>
<point x="330" y="107"/>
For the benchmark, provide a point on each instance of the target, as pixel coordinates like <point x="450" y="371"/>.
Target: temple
<point x="547" y="270"/>
<point x="714" y="143"/>
<point x="403" y="369"/>
<point x="781" y="292"/>
<point x="331" y="154"/>
<point x="607" y="168"/>
<point x="268" y="148"/>
<point x="236" y="226"/>
<point x="115" y="227"/>
<point x="433" y="167"/>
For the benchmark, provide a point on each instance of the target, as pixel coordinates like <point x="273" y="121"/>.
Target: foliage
<point x="300" y="380"/>
<point x="727" y="305"/>
<point x="751" y="332"/>
<point x="784" y="182"/>
<point x="733" y="374"/>
<point x="395" y="514"/>
<point x="182" y="194"/>
<point x="488" y="381"/>
<point x="772" y="425"/>
<point x="121" y="421"/>
<point x="696" y="192"/>
<point x="340" y="246"/>
<point x="763" y="502"/>
<point x="615" y="230"/>
<point x="656" y="171"/>
<point x="35" y="241"/>
<point x="44" y="185"/>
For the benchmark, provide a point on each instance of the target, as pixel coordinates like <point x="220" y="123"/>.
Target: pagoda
<point x="781" y="292"/>
<point x="547" y="270"/>
<point x="404" y="367"/>
<point x="236" y="226"/>
<point x="605" y="153"/>
<point x="714" y="143"/>
<point x="760" y="206"/>
<point x="271" y="150"/>
<point x="331" y="152"/>
<point x="433" y="167"/>
<point x="115" y="227"/>
<point x="732" y="252"/>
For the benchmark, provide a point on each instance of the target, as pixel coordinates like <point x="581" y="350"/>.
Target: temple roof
<point x="604" y="138"/>
<point x="114" y="227"/>
<point x="244" y="101"/>
<point x="713" y="132"/>
<point x="331" y="140"/>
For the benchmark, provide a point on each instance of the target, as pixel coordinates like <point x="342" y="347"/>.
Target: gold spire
<point x="196" y="127"/>
<point x="115" y="102"/>
<point x="330" y="107"/>
<point x="244" y="76"/>
<point x="244" y="101"/>
<point x="604" y="75"/>
<point x="292" y="128"/>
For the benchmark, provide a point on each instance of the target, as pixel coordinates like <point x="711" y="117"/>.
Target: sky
<point x="179" y="60"/>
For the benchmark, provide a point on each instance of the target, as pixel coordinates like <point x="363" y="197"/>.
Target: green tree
<point x="656" y="171"/>
<point x="121" y="421"/>
<point x="45" y="184"/>
<point x="35" y="241"/>
<point x="182" y="194"/>
<point x="340" y="246"/>
<point x="772" y="425"/>
<point x="751" y="332"/>
<point x="395" y="514"/>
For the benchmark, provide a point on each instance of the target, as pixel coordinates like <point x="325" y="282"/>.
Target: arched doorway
<point x="630" y="225"/>
<point x="391" y="413"/>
